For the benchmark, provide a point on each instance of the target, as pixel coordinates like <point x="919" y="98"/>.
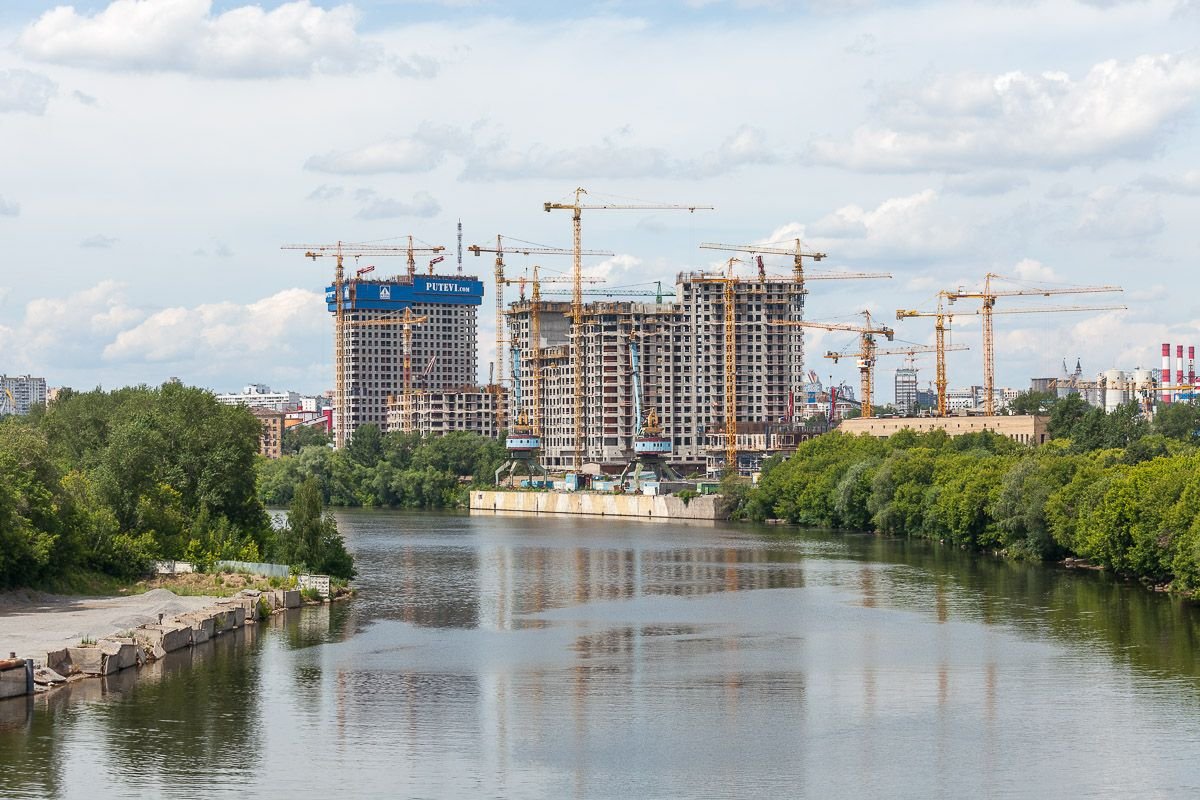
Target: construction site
<point x="638" y="389"/>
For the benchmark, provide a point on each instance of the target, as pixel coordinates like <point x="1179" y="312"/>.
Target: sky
<point x="158" y="153"/>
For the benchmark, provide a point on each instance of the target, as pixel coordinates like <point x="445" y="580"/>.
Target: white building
<point x="20" y="393"/>
<point x="258" y="395"/>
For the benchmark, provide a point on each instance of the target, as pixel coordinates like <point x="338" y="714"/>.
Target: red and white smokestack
<point x="1179" y="365"/>
<point x="1191" y="365"/>
<point x="1166" y="372"/>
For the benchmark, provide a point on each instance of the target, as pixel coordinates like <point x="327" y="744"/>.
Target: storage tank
<point x="1115" y="389"/>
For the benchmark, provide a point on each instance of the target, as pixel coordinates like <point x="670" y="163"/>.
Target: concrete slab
<point x="202" y="623"/>
<point x="169" y="636"/>
<point x="291" y="598"/>
<point x="92" y="661"/>
<point x="122" y="651"/>
<point x="16" y="678"/>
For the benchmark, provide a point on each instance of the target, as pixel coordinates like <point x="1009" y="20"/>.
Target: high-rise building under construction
<point x="682" y="366"/>
<point x="443" y="350"/>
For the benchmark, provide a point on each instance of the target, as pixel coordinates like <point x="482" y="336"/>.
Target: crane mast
<point x="987" y="298"/>
<point x="339" y="251"/>
<point x="522" y="248"/>
<point x="577" y="208"/>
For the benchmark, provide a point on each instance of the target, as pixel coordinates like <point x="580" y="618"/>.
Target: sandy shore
<point x="33" y="623"/>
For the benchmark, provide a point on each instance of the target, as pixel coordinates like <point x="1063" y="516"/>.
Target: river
<point x="587" y="658"/>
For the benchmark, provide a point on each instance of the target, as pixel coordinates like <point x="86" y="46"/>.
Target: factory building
<point x="443" y="345"/>
<point x="682" y="367"/>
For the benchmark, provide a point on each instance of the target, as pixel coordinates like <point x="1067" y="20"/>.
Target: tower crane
<point x="511" y="245"/>
<point x="408" y="319"/>
<point x="339" y="251"/>
<point x="799" y="276"/>
<point x="909" y="353"/>
<point x="988" y="297"/>
<point x="730" y="282"/>
<point x="944" y="317"/>
<point x="867" y="350"/>
<point x="577" y="207"/>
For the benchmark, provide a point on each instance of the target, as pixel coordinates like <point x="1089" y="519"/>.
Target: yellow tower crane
<point x="988" y="297"/>
<point x="510" y="245"/>
<point x="799" y="276"/>
<point x="408" y="319"/>
<point x="730" y="282"/>
<point x="909" y="353"/>
<point x="577" y="207"/>
<point x="944" y="318"/>
<point x="343" y="291"/>
<point x="867" y="350"/>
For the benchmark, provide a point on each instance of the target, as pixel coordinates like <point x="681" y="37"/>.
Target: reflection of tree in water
<point x="200" y="719"/>
<point x="30" y="749"/>
<point x="1145" y="630"/>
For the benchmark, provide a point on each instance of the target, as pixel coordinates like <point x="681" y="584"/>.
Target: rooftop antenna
<point x="460" y="246"/>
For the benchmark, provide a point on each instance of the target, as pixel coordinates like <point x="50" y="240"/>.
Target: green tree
<point x="1178" y="421"/>
<point x="297" y="437"/>
<point x="1032" y="402"/>
<point x="311" y="539"/>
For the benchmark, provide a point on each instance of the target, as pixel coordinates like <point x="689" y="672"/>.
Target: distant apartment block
<point x="270" y="442"/>
<point x="20" y="393"/>
<point x="438" y="412"/>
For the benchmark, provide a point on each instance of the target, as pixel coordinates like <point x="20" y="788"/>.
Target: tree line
<point x="392" y="470"/>
<point x="1113" y="488"/>
<point x="107" y="482"/>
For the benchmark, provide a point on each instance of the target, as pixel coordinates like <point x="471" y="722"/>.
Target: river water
<point x="583" y="658"/>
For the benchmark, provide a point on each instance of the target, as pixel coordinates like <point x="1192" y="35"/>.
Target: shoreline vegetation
<point x="98" y="485"/>
<point x="1109" y="490"/>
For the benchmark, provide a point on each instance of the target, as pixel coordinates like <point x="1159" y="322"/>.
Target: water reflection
<point x="577" y="658"/>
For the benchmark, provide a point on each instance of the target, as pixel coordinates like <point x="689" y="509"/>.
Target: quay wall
<point x="596" y="504"/>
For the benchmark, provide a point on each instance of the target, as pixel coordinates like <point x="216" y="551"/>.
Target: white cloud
<point x="614" y="158"/>
<point x="325" y="192"/>
<point x="916" y="225"/>
<point x="964" y="120"/>
<point x="1184" y="183"/>
<point x="9" y="208"/>
<point x="1029" y="269"/>
<point x="1109" y="213"/>
<point x="422" y="151"/>
<point x="25" y="91"/>
<point x="983" y="184"/>
<point x="422" y="204"/>
<point x="98" y="241"/>
<point x="84" y="97"/>
<point x="222" y="332"/>
<point x="65" y="331"/>
<point x="295" y="38"/>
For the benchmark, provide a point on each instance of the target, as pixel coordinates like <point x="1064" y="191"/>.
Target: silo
<point x="1114" y="389"/>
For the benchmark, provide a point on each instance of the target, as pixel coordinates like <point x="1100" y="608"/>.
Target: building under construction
<point x="682" y="367"/>
<point x="443" y="345"/>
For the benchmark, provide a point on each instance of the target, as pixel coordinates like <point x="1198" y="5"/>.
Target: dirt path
<point x="32" y="623"/>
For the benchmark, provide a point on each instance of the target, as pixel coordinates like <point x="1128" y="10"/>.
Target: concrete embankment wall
<point x="595" y="504"/>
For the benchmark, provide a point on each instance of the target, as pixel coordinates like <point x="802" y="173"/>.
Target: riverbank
<point x="658" y="508"/>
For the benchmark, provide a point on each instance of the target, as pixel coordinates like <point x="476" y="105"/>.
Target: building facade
<point x="270" y="442"/>
<point x="680" y="366"/>
<point x="906" y="391"/>
<point x="258" y="395"/>
<point x="20" y="393"/>
<point x="1024" y="429"/>
<point x="440" y="411"/>
<point x="372" y="360"/>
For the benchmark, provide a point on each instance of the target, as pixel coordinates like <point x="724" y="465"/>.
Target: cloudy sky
<point x="157" y="153"/>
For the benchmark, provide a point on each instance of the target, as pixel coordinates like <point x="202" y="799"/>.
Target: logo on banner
<point x="385" y="293"/>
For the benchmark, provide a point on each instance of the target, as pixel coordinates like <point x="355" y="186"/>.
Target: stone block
<point x="123" y="651"/>
<point x="92" y="661"/>
<point x="202" y="623"/>
<point x="169" y="636"/>
<point x="291" y="598"/>
<point x="47" y="676"/>
<point x="59" y="661"/>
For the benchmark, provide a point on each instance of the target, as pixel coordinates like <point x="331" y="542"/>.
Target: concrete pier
<point x="597" y="504"/>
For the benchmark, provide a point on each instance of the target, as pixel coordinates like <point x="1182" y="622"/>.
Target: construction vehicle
<point x="577" y="207"/>
<point x="867" y="350"/>
<point x="944" y="318"/>
<point x="342" y="292"/>
<point x="988" y="297"/>
<point x="510" y="245"/>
